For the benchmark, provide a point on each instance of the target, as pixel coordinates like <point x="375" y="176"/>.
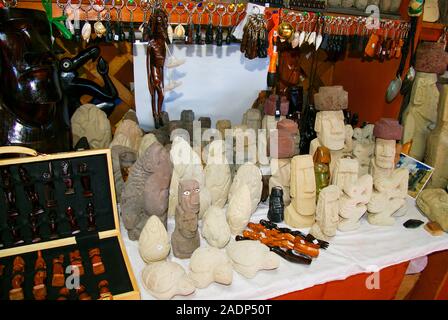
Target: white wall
<point x="217" y="82"/>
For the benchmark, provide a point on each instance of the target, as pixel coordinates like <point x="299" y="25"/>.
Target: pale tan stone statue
<point x="252" y="119"/>
<point x="301" y="212"/>
<point x="166" y="279"/>
<point x="248" y="257"/>
<point x="208" y="265"/>
<point x="245" y="144"/>
<point x="437" y="145"/>
<point x="128" y="134"/>
<point x="250" y="175"/>
<point x="146" y="141"/>
<point x="388" y="197"/>
<point x="118" y="178"/>
<point x="91" y="122"/>
<point x="327" y="213"/>
<point x="215" y="229"/>
<point x="421" y="113"/>
<point x="353" y="202"/>
<point x="154" y="243"/>
<point x="364" y="153"/>
<point x="187" y="165"/>
<point x="239" y="210"/>
<point x="281" y="176"/>
<point x="434" y="204"/>
<point x="346" y="171"/>
<point x="387" y="132"/>
<point x="364" y="134"/>
<point x="269" y="123"/>
<point x="217" y="173"/>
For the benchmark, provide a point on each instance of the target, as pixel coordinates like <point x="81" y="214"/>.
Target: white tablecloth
<point x="368" y="249"/>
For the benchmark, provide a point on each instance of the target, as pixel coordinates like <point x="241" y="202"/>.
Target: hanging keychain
<point x="170" y="31"/>
<point x="87" y="27"/>
<point x="312" y="36"/>
<point x="109" y="33"/>
<point x="76" y="22"/>
<point x="68" y="24"/>
<point x="189" y="8"/>
<point x="119" y="35"/>
<point x="230" y="11"/>
<point x="211" y="8"/>
<point x="98" y="27"/>
<point x="131" y="6"/>
<point x="143" y="28"/>
<point x="319" y="37"/>
<point x="220" y="10"/>
<point x="198" y="36"/>
<point x="179" y="31"/>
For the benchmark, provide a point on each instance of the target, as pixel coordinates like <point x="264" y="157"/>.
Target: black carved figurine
<point x="66" y="168"/>
<point x="91" y="224"/>
<point x="49" y="188"/>
<point x="30" y="191"/>
<point x="276" y="206"/>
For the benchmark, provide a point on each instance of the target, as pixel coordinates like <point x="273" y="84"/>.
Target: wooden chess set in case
<point x="59" y="232"/>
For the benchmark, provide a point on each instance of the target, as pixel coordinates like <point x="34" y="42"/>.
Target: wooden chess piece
<point x="10" y="194"/>
<point x="85" y="180"/>
<point x="72" y="220"/>
<point x="53" y="225"/>
<point x="91" y="217"/>
<point x="40" y="276"/>
<point x="18" y="270"/>
<point x="97" y="263"/>
<point x="15" y="232"/>
<point x="35" y="234"/>
<point x="82" y="293"/>
<point x="49" y="188"/>
<point x="64" y="293"/>
<point x="30" y="191"/>
<point x="276" y="206"/>
<point x="58" y="279"/>
<point x="105" y="293"/>
<point x="66" y="168"/>
<point x="76" y="261"/>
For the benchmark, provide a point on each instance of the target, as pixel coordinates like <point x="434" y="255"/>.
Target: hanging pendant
<point x="179" y="31"/>
<point x="318" y="42"/>
<point x="100" y="29"/>
<point x="295" y="39"/>
<point x="86" y="31"/>
<point x="311" y="38"/>
<point x="170" y="33"/>
<point x="302" y="38"/>
<point x="69" y="25"/>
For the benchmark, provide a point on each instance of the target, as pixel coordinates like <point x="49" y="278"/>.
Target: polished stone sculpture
<point x="363" y="147"/>
<point x="127" y="134"/>
<point x="217" y="174"/>
<point x="208" y="265"/>
<point x="327" y="213"/>
<point x="252" y="119"/>
<point x="187" y="165"/>
<point x="146" y="191"/>
<point x="389" y="195"/>
<point x="185" y="238"/>
<point x="353" y="202"/>
<point x="276" y="206"/>
<point x="239" y="210"/>
<point x="421" y="113"/>
<point x="437" y="144"/>
<point x="91" y="122"/>
<point x="280" y="177"/>
<point x="146" y="141"/>
<point x="154" y="243"/>
<point x="248" y="257"/>
<point x="434" y="204"/>
<point x="300" y="213"/>
<point x="322" y="159"/>
<point x="286" y="145"/>
<point x="345" y="171"/>
<point x="166" y="279"/>
<point x="116" y="151"/>
<point x="250" y="175"/>
<point x="215" y="229"/>
<point x="387" y="132"/>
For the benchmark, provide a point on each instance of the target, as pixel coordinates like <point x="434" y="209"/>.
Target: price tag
<point x="116" y="37"/>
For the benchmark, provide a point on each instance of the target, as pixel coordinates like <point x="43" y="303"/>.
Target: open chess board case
<point x="54" y="205"/>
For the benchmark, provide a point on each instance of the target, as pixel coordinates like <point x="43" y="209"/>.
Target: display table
<point x="368" y="249"/>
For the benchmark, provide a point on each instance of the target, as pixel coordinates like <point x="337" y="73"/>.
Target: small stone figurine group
<point x="58" y="279"/>
<point x="50" y="202"/>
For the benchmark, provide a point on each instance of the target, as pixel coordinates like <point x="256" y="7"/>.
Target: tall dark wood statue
<point x="156" y="54"/>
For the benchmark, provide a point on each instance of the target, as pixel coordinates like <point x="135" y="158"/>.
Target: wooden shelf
<point x="431" y="31"/>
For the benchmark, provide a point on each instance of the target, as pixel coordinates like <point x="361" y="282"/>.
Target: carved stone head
<point x="330" y="129"/>
<point x="189" y="196"/>
<point x="327" y="213"/>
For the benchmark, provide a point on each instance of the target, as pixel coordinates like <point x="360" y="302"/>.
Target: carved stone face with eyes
<point x="189" y="196"/>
